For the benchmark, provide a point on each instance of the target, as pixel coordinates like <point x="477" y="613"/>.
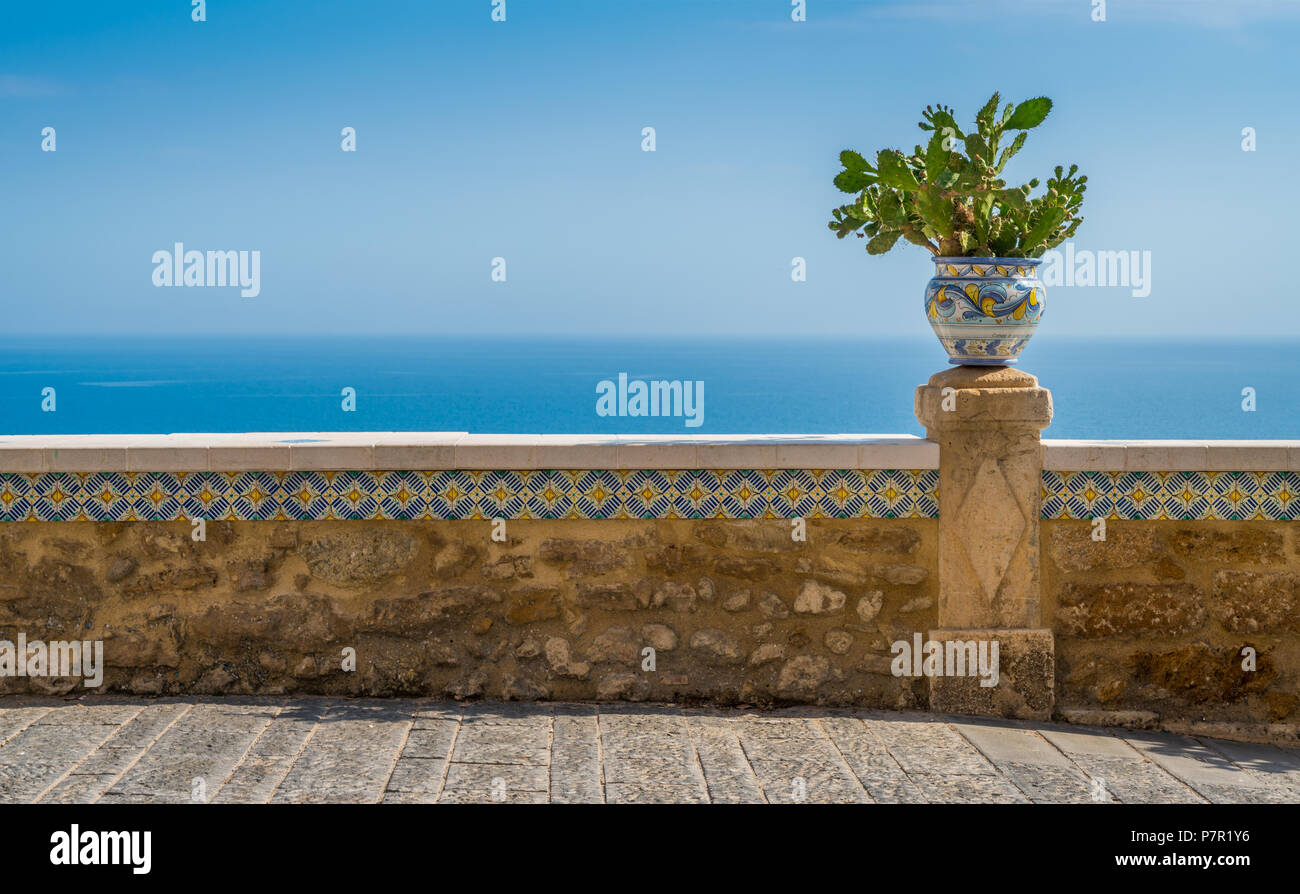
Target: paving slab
<point x="728" y="774"/>
<point x="1037" y="768"/>
<point x="16" y="719"/>
<point x="195" y="756"/>
<point x="575" y="759"/>
<point x="42" y="754"/>
<point x="1273" y="766"/>
<point x="350" y="755"/>
<point x="1207" y="771"/>
<point x="870" y="761"/>
<point x="1119" y="772"/>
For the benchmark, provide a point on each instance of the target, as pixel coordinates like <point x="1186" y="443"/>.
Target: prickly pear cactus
<point x="949" y="195"/>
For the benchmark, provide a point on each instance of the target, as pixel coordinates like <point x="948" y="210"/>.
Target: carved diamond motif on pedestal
<point x="991" y="523"/>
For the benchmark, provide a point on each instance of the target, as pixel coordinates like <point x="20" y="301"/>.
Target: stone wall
<point x="1151" y="623"/>
<point x="736" y="610"/>
<point x="1144" y="628"/>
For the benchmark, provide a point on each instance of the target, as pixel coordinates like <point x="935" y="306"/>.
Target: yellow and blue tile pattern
<point x="1180" y="496"/>
<point x="591" y="494"/>
<point x="641" y="494"/>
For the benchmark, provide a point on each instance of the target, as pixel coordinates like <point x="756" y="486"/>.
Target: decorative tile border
<point x="460" y="494"/>
<point x="597" y="494"/>
<point x="1181" y="496"/>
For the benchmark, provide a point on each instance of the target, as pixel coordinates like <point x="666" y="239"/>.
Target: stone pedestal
<point x="987" y="421"/>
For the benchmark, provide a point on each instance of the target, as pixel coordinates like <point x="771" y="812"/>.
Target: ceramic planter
<point x="984" y="309"/>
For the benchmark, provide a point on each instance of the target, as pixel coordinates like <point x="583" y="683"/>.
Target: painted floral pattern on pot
<point x="984" y="309"/>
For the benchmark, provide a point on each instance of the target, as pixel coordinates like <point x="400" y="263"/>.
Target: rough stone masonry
<point x="735" y="611"/>
<point x="1150" y="625"/>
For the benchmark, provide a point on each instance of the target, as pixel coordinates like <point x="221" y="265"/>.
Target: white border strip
<point x="1171" y="456"/>
<point x="294" y="451"/>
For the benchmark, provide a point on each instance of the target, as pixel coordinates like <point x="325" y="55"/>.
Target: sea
<point x="1103" y="388"/>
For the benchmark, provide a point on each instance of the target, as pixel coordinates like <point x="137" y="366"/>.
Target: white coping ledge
<point x="295" y="451"/>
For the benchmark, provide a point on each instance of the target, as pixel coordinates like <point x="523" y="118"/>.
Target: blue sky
<point x="522" y="140"/>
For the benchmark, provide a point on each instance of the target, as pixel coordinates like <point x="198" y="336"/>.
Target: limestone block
<point x="1025" y="679"/>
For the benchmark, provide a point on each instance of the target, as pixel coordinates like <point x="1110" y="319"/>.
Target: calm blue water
<point x="1112" y="389"/>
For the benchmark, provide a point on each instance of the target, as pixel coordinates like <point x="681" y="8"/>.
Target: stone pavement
<point x="257" y="750"/>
